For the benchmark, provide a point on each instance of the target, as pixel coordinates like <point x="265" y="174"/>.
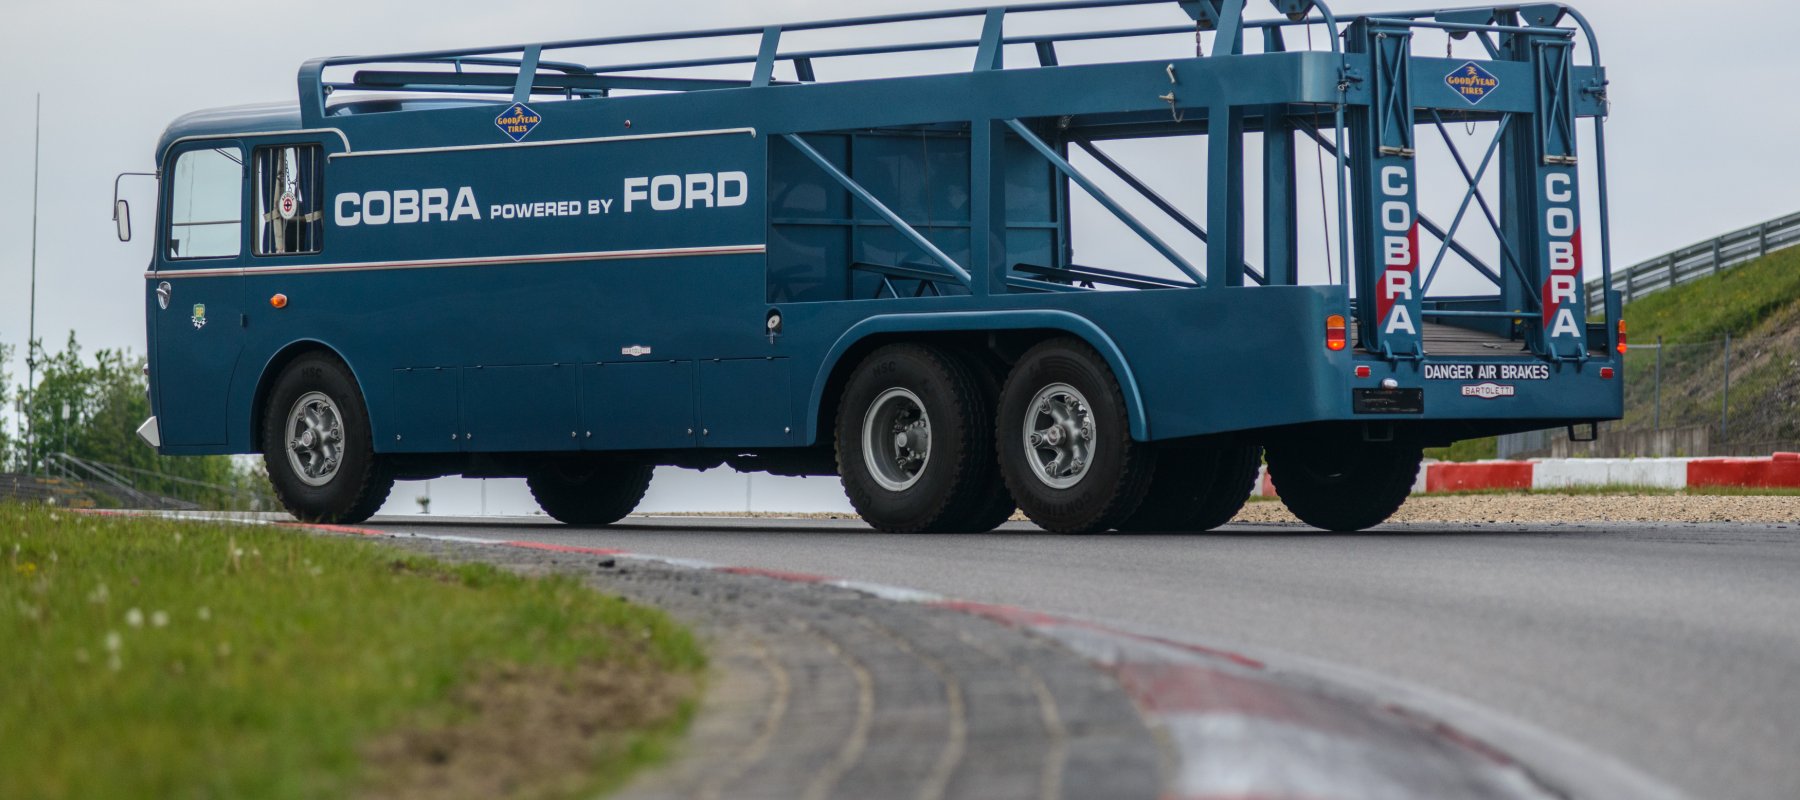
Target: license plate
<point x="1388" y="401"/>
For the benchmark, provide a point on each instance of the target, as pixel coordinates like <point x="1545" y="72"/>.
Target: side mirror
<point x="122" y="217"/>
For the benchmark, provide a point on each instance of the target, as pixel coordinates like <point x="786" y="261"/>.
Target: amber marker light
<point x="1335" y="337"/>
<point x="1622" y="337"/>
<point x="278" y="301"/>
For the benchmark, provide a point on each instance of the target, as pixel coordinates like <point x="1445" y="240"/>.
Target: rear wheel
<point x="1197" y="489"/>
<point x="317" y="445"/>
<point x="1064" y="440"/>
<point x="1345" y="487"/>
<point x="913" y="440"/>
<point x="591" y="493"/>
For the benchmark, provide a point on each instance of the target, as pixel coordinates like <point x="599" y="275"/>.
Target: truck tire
<point x="912" y="435"/>
<point x="1346" y="487"/>
<point x="1197" y="489"/>
<point x="1065" y="441"/>
<point x="317" y="444"/>
<point x="591" y="494"/>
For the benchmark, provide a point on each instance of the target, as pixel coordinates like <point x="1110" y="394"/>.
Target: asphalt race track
<point x="1671" y="649"/>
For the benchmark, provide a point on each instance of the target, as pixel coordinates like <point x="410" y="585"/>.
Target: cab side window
<point x="289" y="219"/>
<point x="206" y="204"/>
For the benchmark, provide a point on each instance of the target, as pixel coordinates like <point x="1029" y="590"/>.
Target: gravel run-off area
<point x="1511" y="508"/>
<point x="1532" y="508"/>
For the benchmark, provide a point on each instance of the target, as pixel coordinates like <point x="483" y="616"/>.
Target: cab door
<point x="197" y="290"/>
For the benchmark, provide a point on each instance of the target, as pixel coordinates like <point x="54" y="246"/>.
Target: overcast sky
<point x="1701" y="138"/>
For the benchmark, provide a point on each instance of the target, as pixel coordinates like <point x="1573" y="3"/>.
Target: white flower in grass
<point x="98" y="595"/>
<point x="113" y="641"/>
<point x="134" y="618"/>
<point x="159" y="619"/>
<point x="204" y="613"/>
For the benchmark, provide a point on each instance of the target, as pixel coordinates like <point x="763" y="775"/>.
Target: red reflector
<point x="1606" y="373"/>
<point x="1363" y="372"/>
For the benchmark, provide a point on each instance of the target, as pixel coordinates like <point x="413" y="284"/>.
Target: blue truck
<point x="504" y="262"/>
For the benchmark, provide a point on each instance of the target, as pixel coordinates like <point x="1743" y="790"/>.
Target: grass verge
<point x="152" y="658"/>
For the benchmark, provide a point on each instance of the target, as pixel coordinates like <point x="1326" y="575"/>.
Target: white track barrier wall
<point x="1661" y="473"/>
<point x="1780" y="470"/>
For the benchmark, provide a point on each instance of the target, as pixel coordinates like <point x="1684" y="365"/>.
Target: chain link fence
<point x="1726" y="397"/>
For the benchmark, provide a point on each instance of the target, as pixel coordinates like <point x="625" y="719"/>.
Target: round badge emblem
<point x="288" y="205"/>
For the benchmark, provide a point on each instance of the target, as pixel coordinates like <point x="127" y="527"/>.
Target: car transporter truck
<point x="502" y="262"/>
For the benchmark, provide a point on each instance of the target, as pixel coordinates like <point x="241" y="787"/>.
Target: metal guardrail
<point x="1699" y="260"/>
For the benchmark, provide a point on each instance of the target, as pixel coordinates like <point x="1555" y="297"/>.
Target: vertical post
<point x="1384" y="175"/>
<point x="987" y="215"/>
<point x="1725" y="399"/>
<point x="992" y="52"/>
<point x="1281" y="263"/>
<point x="1656" y="421"/>
<point x="1555" y="201"/>
<point x="1716" y="254"/>
<point x="1225" y="195"/>
<point x="987" y="175"/>
<point x="765" y="57"/>
<point x="1762" y="240"/>
<point x="37" y="137"/>
<point x="1518" y="189"/>
<point x="527" y="74"/>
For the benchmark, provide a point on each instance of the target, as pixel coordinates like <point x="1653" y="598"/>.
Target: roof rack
<point x="529" y="74"/>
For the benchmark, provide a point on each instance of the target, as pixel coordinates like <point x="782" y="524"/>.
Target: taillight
<point x="1335" y="336"/>
<point x="1622" y="337"/>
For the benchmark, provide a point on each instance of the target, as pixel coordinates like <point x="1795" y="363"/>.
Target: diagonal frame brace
<point x="1424" y="222"/>
<point x="1107" y="201"/>
<point x="1162" y="204"/>
<point x="1473" y="193"/>
<point x="856" y="190"/>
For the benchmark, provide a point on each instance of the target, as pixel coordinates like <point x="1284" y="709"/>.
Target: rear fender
<point x="964" y="321"/>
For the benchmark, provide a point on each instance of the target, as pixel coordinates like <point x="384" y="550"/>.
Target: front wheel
<point x="1345" y="486"/>
<point x="1065" y="441"/>
<point x="317" y="445"/>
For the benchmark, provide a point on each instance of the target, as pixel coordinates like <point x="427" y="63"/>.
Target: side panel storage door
<point x="638" y="405"/>
<point x="524" y="409"/>
<point x="745" y="402"/>
<point x="425" y="415"/>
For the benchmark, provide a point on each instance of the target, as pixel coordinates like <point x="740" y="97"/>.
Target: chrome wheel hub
<point x="315" y="439"/>
<point x="1059" y="434"/>
<point x="896" y="439"/>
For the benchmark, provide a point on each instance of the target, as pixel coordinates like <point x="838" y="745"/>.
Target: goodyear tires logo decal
<point x="1472" y="83"/>
<point x="517" y="121"/>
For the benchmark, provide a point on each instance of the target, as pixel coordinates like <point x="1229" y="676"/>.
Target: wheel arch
<point x="966" y="330"/>
<point x="272" y="368"/>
